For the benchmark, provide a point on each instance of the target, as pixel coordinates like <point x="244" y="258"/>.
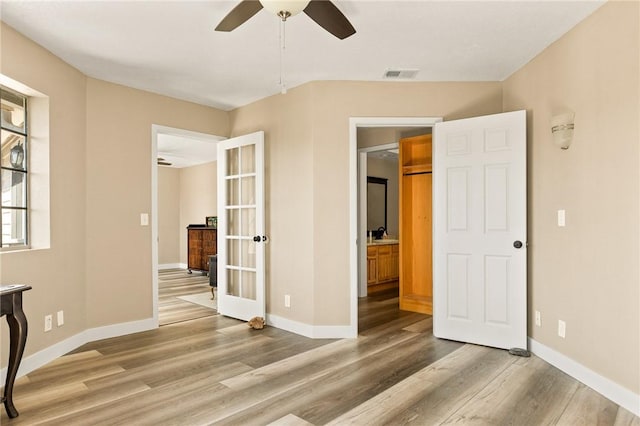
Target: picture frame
<point x="212" y="221"/>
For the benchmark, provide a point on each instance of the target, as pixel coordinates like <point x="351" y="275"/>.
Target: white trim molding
<point x="311" y="331"/>
<point x="607" y="388"/>
<point x="51" y="353"/>
<point x="165" y="266"/>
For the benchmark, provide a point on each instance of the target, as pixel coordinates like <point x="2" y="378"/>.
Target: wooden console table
<point x="11" y="306"/>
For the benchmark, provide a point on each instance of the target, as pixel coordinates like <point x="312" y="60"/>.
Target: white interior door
<point x="241" y="235"/>
<point x="480" y="230"/>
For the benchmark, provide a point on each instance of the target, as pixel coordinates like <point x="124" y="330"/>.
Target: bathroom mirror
<point x="376" y="203"/>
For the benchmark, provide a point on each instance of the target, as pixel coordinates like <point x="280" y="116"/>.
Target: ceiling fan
<point x="323" y="12"/>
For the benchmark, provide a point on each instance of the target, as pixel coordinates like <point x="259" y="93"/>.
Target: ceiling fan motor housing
<point x="285" y="8"/>
<point x="322" y="12"/>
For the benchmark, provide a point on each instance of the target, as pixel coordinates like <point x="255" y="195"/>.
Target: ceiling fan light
<point x="293" y="7"/>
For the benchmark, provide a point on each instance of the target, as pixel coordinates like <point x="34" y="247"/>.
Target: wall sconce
<point x="562" y="129"/>
<point x="16" y="156"/>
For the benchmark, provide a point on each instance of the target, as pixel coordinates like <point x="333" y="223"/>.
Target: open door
<point x="241" y="235"/>
<point x="480" y="230"/>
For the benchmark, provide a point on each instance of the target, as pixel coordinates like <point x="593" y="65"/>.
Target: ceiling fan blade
<point x="329" y="17"/>
<point x="239" y="15"/>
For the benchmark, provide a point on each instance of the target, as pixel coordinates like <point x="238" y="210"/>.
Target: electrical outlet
<point x="538" y="319"/>
<point x="562" y="328"/>
<point x="562" y="218"/>
<point x="144" y="219"/>
<point x="48" y="323"/>
<point x="287" y="301"/>
<point x="60" y="318"/>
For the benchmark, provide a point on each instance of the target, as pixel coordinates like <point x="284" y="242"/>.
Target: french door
<point x="480" y="230"/>
<point x="241" y="234"/>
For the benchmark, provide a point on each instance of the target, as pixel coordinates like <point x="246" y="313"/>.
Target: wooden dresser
<point x="202" y="242"/>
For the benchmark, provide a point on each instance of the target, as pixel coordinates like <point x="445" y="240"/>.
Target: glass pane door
<point x="241" y="254"/>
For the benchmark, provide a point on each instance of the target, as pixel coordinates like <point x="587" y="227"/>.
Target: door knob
<point x="257" y="238"/>
<point x="517" y="244"/>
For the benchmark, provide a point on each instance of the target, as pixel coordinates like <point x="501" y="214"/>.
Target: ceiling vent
<point x="400" y="74"/>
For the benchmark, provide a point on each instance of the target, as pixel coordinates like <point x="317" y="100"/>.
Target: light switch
<point x="144" y="219"/>
<point x="561" y="218"/>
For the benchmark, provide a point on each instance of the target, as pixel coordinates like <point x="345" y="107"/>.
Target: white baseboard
<point x="45" y="356"/>
<point x="607" y="388"/>
<point x="122" y="329"/>
<point x="172" y="266"/>
<point x="312" y="331"/>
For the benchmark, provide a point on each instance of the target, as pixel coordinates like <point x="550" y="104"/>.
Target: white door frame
<point x="354" y="253"/>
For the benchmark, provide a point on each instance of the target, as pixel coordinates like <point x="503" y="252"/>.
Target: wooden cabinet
<point x="202" y="242"/>
<point x="372" y="265"/>
<point x="385" y="271"/>
<point x="416" y="272"/>
<point x="382" y="263"/>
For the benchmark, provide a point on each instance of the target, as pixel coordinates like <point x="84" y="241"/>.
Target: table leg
<point x="18" y="335"/>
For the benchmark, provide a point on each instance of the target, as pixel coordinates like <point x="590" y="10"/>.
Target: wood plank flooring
<point x="201" y="368"/>
<point x="177" y="282"/>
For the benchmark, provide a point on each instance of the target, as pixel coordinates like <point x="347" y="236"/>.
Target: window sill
<point x="15" y="248"/>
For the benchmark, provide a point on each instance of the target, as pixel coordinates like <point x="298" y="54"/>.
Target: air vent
<point x="400" y="74"/>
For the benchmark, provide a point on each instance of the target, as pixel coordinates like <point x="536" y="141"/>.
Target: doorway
<point x="183" y="149"/>
<point x="358" y="246"/>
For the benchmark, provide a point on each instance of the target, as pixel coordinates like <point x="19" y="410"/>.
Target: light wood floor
<point x="177" y="282"/>
<point x="214" y="370"/>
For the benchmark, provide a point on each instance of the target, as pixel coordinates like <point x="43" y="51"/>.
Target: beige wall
<point x="98" y="266"/>
<point x="307" y="164"/>
<point x="586" y="273"/>
<point x="374" y="136"/>
<point x="57" y="274"/>
<point x="168" y="215"/>
<point x="118" y="169"/>
<point x="333" y="104"/>
<point x="289" y="209"/>
<point x="198" y="199"/>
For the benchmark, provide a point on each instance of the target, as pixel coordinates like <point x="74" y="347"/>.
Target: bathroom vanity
<point x="382" y="264"/>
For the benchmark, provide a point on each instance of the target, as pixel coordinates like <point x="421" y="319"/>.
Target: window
<point x="13" y="169"/>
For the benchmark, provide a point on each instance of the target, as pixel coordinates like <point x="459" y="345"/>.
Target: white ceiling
<point x="170" y="47"/>
<point x="183" y="148"/>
